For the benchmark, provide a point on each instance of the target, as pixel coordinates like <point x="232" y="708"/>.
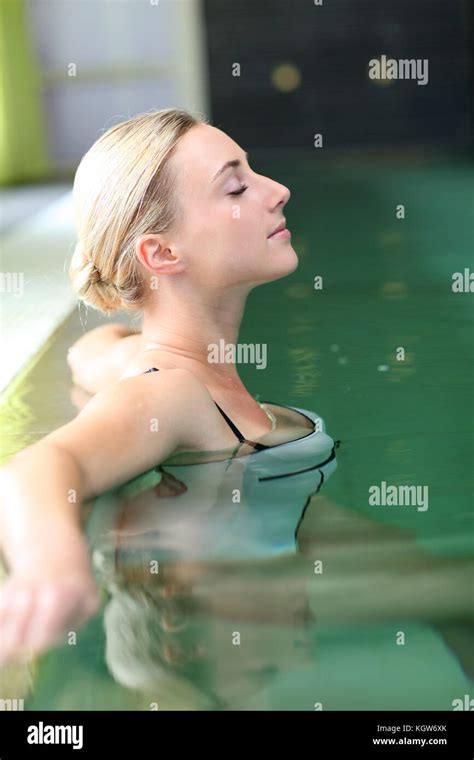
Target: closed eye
<point x="239" y="192"/>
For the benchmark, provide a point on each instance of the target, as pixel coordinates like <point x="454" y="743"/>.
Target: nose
<point x="281" y="194"/>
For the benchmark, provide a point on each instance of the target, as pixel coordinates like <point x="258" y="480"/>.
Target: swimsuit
<point x="249" y="506"/>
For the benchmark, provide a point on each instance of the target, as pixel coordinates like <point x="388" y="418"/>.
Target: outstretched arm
<point x="50" y="587"/>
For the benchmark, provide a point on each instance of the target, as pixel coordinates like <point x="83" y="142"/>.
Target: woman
<point x="172" y="222"/>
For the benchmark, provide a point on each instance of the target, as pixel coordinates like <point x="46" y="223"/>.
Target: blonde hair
<point x="135" y="653"/>
<point x="123" y="188"/>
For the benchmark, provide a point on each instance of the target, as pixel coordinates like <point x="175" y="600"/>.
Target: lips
<point x="280" y="227"/>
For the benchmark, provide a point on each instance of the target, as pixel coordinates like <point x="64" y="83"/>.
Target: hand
<point x="37" y="610"/>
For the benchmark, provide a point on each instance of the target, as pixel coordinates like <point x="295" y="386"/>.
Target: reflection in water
<point x="220" y="605"/>
<point x="221" y="635"/>
<point x="179" y="531"/>
<point x="177" y="639"/>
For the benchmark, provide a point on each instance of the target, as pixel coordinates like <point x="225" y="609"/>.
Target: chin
<point x="286" y="263"/>
<point x="295" y="261"/>
<point x="282" y="267"/>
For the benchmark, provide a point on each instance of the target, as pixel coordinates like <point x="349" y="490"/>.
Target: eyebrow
<point x="229" y="165"/>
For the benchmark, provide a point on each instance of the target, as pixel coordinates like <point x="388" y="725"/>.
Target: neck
<point x="187" y="323"/>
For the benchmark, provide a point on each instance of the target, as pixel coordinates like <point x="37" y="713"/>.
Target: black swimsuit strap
<point x="232" y="425"/>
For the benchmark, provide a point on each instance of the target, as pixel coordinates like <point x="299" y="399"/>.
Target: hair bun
<point x="95" y="275"/>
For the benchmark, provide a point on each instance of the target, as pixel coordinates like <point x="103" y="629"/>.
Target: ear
<point x="155" y="253"/>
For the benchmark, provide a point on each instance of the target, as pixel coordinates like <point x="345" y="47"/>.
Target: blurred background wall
<point x="304" y="67"/>
<point x="274" y="72"/>
<point x="73" y="68"/>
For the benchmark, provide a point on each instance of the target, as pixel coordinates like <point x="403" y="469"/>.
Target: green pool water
<point x="388" y="622"/>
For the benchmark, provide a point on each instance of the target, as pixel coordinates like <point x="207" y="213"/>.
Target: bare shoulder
<point x="139" y="361"/>
<point x="99" y="356"/>
<point x="135" y="424"/>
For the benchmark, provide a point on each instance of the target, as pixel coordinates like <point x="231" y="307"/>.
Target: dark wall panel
<point x="330" y="46"/>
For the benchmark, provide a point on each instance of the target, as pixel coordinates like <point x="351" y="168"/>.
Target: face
<point x="222" y="236"/>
